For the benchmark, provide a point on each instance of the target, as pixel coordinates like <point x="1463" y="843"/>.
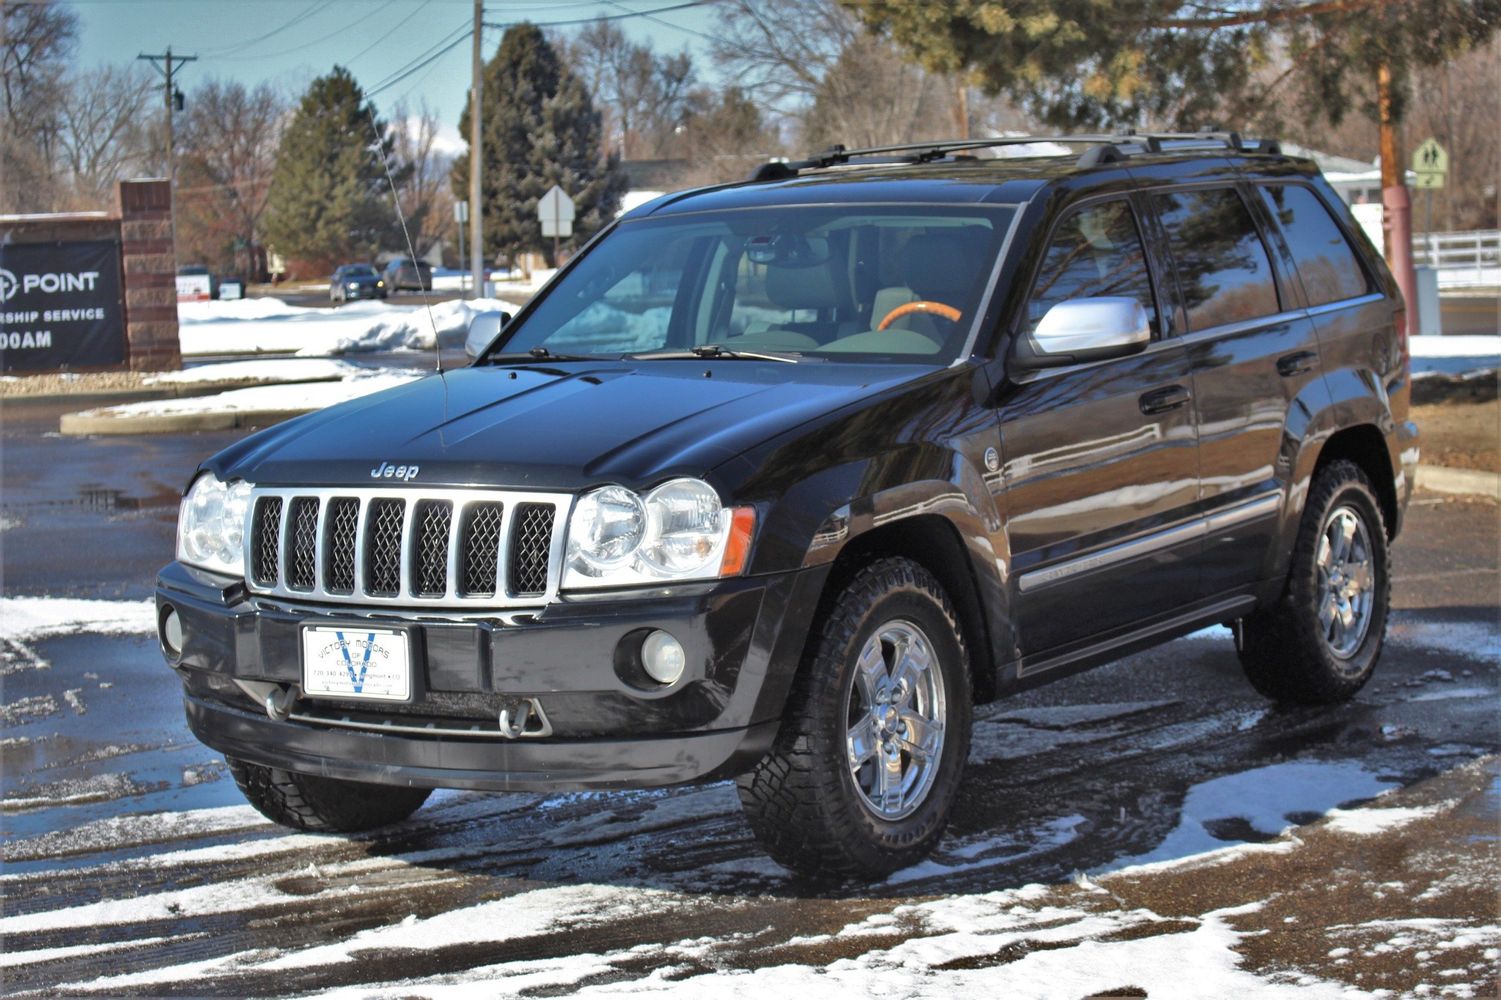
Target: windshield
<point x="850" y="282"/>
<point x="359" y="271"/>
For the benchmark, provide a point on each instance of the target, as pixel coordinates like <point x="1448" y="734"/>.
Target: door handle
<point x="1297" y="364"/>
<point x="1162" y="400"/>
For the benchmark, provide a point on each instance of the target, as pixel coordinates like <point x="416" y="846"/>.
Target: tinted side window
<point x="1328" y="267"/>
<point x="1096" y="251"/>
<point x="1224" y="275"/>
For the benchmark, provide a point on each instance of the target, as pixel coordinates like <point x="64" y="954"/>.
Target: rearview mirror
<point x="1086" y="329"/>
<point x="483" y="330"/>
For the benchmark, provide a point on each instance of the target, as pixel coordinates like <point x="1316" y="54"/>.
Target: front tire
<point x="866" y="765"/>
<point x="1319" y="644"/>
<point x="324" y="805"/>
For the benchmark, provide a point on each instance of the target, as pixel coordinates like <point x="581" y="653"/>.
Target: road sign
<point x="555" y="212"/>
<point x="1430" y="162"/>
<point x="461" y="212"/>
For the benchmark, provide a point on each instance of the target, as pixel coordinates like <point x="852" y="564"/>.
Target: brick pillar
<point x="150" y="267"/>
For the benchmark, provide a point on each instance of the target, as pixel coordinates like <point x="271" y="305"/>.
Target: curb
<point x="88" y="423"/>
<point x="182" y="390"/>
<point x="1442" y="479"/>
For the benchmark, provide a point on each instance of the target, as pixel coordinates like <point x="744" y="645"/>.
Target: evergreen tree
<point x="539" y="129"/>
<point x="330" y="202"/>
<point x="1185" y="63"/>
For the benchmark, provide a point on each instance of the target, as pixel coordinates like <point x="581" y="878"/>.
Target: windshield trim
<point x="967" y="352"/>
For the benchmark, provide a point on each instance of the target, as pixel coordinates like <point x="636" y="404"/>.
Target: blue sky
<point x="289" y="42"/>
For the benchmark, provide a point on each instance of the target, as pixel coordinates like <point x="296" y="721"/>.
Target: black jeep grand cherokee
<point x="778" y="479"/>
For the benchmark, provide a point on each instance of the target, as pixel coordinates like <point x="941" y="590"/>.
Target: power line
<point x="341" y="29"/>
<point x="602" y="17"/>
<point x="243" y="45"/>
<point x="417" y="62"/>
<point x="417" y="10"/>
<point x="650" y="16"/>
<point x="401" y="75"/>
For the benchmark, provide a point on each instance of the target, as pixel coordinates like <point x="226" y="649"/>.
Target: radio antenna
<point x="427" y="301"/>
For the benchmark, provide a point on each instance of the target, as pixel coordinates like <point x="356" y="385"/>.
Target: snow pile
<point x="293" y="398"/>
<point x="260" y="370"/>
<point x="28" y="618"/>
<point x="251" y="326"/>
<point x="1455" y="355"/>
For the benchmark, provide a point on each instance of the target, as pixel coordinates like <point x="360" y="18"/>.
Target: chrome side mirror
<point x="483" y="330"/>
<point x="1086" y="329"/>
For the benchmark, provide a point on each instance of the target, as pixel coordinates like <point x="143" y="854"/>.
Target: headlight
<point x="679" y="531"/>
<point x="211" y="525"/>
<point x="354" y="284"/>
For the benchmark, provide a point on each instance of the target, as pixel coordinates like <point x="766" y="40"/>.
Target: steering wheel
<point x="920" y="306"/>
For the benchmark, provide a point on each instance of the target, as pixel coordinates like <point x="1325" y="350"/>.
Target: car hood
<point x="556" y="427"/>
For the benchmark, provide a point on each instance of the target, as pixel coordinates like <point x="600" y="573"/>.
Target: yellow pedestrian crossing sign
<point x="1430" y="162"/>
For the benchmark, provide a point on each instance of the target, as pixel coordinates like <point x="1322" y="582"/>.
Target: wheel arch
<point x="1365" y="446"/>
<point x="933" y="542"/>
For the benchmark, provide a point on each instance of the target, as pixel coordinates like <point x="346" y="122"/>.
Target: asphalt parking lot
<point x="1152" y="828"/>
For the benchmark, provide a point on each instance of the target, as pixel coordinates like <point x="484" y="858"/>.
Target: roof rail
<point x="1103" y="149"/>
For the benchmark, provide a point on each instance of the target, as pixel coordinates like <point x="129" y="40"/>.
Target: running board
<point x="1106" y="650"/>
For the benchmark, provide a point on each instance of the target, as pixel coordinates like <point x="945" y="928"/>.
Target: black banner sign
<point x="60" y="306"/>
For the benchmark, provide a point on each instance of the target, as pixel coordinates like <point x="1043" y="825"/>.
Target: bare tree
<point x="643" y="97"/>
<point x="226" y="150"/>
<point x="107" y="132"/>
<point x="38" y="40"/>
<point x="426" y="195"/>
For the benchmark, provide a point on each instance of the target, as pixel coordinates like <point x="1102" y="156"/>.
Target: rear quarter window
<point x="1327" y="266"/>
<point x="1224" y="273"/>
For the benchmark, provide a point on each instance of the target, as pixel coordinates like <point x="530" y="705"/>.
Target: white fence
<point x="1462" y="259"/>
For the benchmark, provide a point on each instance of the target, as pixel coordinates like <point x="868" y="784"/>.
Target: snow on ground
<point x="250" y="326"/>
<point x="1257" y="806"/>
<point x="289" y="398"/>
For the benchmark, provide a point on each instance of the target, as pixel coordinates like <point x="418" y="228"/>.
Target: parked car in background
<point x="355" y="281"/>
<point x="404" y="273"/>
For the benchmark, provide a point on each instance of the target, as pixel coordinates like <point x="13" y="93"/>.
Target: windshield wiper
<point x="715" y="352"/>
<point x="535" y="354"/>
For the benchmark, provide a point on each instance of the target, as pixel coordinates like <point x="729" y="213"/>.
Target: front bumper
<point x="610" y="727"/>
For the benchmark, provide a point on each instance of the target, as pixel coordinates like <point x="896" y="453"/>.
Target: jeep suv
<point x="777" y="480"/>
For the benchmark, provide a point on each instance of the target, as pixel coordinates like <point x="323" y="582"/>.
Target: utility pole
<point x="1395" y="203"/>
<point x="167" y="64"/>
<point x="476" y="154"/>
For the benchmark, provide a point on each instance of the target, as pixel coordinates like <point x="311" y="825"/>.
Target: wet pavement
<point x="1152" y="828"/>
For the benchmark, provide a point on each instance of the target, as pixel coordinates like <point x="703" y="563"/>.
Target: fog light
<point x="172" y="632"/>
<point x="663" y="657"/>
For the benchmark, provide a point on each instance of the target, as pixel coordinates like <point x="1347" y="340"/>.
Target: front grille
<point x="265" y="558"/>
<point x="302" y="543"/>
<point x="531" y="540"/>
<point x="383" y="527"/>
<point x="427" y="548"/>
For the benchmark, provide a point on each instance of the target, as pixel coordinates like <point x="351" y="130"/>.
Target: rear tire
<point x="864" y="770"/>
<point x="326" y="805"/>
<point x="1319" y="644"/>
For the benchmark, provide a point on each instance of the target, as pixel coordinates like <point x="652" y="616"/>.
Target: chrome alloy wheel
<point x="896" y="715"/>
<point x="1347" y="581"/>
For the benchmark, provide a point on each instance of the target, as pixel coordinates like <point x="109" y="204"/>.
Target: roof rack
<point x="1103" y="149"/>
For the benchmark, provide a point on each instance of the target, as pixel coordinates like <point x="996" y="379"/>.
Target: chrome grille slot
<point x="531" y="541"/>
<point x="265" y="554"/>
<point x="384" y="522"/>
<point x="302" y="543"/>
<point x="341" y="532"/>
<point x="479" y="548"/>
<point x="465" y="549"/>
<point x="430" y="548"/>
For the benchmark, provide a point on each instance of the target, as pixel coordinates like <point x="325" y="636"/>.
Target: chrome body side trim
<point x="1252" y="510"/>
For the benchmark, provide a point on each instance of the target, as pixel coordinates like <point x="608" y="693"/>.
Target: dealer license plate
<point x="356" y="661"/>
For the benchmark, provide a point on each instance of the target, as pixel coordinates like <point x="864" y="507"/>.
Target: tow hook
<point x="523" y="717"/>
<point x="279" y="701"/>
